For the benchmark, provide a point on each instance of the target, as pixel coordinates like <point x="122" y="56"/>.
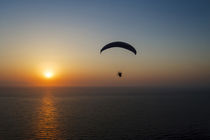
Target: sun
<point x="48" y="74"/>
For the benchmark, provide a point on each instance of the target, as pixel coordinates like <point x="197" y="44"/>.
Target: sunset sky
<point x="57" y="43"/>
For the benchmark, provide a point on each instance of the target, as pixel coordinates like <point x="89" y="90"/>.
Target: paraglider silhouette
<point x="119" y="74"/>
<point x="119" y="44"/>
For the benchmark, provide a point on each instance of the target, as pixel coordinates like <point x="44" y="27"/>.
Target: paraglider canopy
<point x="120" y="45"/>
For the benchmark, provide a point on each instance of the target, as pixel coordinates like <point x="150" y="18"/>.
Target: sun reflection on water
<point x="47" y="124"/>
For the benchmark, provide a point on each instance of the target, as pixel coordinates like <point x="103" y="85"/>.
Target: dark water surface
<point x="104" y="113"/>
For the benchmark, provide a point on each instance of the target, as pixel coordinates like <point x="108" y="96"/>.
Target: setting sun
<point x="48" y="74"/>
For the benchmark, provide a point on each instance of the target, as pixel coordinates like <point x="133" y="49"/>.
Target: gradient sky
<point x="66" y="37"/>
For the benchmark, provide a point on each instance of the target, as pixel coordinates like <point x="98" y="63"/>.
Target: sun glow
<point x="48" y="74"/>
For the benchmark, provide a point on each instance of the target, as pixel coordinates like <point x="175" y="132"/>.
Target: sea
<point x="104" y="113"/>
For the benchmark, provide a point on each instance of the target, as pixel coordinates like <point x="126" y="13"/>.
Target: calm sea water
<point x="104" y="113"/>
